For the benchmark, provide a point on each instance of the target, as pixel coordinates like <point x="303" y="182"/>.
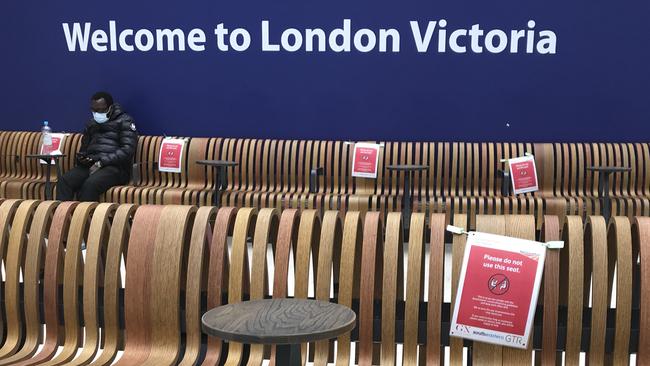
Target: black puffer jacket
<point x="112" y="142"/>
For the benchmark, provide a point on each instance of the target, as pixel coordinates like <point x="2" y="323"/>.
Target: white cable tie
<point x="555" y="244"/>
<point x="456" y="230"/>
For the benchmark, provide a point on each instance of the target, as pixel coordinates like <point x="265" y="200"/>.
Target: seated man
<point x="106" y="154"/>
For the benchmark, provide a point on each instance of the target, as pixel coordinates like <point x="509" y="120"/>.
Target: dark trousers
<point x="88" y="187"/>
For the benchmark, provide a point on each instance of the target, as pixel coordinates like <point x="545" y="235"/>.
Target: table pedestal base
<point x="288" y="354"/>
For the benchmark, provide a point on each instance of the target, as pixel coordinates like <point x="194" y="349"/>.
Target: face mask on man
<point x="101" y="117"/>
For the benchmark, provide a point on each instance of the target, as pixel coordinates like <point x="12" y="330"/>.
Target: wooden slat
<point x="218" y="273"/>
<point x="571" y="288"/>
<point x="641" y="245"/>
<point x="73" y="267"/>
<point x="371" y="268"/>
<point x="458" y="248"/>
<point x="619" y="243"/>
<point x="549" y="355"/>
<point x="138" y="287"/>
<point x="266" y="229"/>
<point x="434" y="348"/>
<point x="595" y="237"/>
<point x="329" y="251"/>
<point x="239" y="274"/>
<point x="414" y="288"/>
<point x="196" y="268"/>
<point x="98" y="236"/>
<point x="112" y="336"/>
<point x="392" y="283"/>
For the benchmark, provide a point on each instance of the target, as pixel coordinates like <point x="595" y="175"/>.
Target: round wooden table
<point x="283" y="322"/>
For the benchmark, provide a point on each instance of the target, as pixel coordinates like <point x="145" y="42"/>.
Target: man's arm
<point x="128" y="143"/>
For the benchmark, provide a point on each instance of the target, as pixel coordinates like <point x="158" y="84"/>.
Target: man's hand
<point x="95" y="167"/>
<point x="84" y="160"/>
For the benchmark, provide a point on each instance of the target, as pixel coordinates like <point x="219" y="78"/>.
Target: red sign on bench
<point x="171" y="155"/>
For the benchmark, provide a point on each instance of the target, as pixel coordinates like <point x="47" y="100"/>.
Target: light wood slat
<point x="391" y="285"/>
<point x="308" y="244"/>
<point x="619" y="244"/>
<point x="53" y="277"/>
<point x="98" y="236"/>
<point x="349" y="276"/>
<point x="73" y="268"/>
<point x="218" y="274"/>
<point x="571" y="288"/>
<point x="171" y="248"/>
<point x="286" y="242"/>
<point x="641" y="245"/>
<point x="266" y="229"/>
<point x="414" y="288"/>
<point x="7" y="212"/>
<point x="112" y="335"/>
<point x="371" y="271"/>
<point x="434" y="348"/>
<point x="329" y="251"/>
<point x="523" y="227"/>
<point x="15" y="257"/>
<point x="595" y="237"/>
<point x="458" y="248"/>
<point x="138" y="286"/>
<point x="239" y="273"/>
<point x="549" y="355"/>
<point x="195" y="281"/>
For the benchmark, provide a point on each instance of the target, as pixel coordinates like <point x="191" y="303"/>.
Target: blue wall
<point x="596" y="87"/>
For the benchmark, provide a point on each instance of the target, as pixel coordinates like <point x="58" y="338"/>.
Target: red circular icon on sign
<point x="498" y="284"/>
<point x="524" y="173"/>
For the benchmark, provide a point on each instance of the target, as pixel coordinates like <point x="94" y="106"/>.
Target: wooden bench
<point x="178" y="265"/>
<point x="306" y="174"/>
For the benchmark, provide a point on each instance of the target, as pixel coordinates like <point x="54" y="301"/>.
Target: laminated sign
<point x="171" y="155"/>
<point x="54" y="148"/>
<point x="498" y="289"/>
<point x="366" y="157"/>
<point x="523" y="174"/>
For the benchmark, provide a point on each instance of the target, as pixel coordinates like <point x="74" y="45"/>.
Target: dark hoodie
<point x="113" y="142"/>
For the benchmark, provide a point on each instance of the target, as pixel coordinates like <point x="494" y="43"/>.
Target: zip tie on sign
<point x="554" y="244"/>
<point x="505" y="160"/>
<point x="456" y="230"/>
